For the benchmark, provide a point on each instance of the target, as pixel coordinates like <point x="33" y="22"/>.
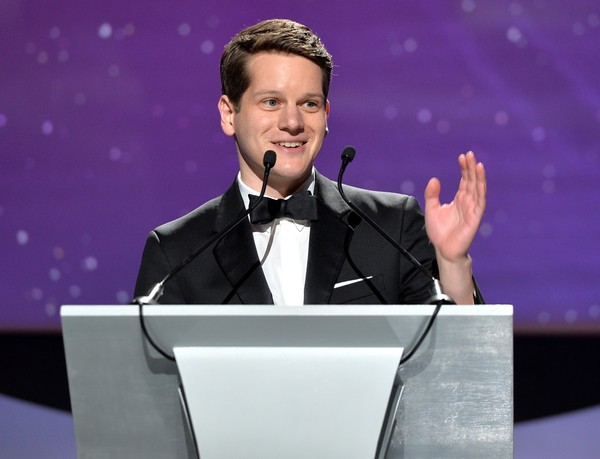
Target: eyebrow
<point x="309" y="95"/>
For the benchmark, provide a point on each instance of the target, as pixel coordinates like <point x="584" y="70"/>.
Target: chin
<point x="292" y="166"/>
<point x="293" y="173"/>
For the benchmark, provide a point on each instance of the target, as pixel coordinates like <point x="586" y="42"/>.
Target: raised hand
<point x="452" y="227"/>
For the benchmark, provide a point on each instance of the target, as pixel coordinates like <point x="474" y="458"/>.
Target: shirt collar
<point x="245" y="190"/>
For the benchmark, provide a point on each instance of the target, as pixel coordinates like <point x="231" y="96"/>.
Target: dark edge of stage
<point x="554" y="373"/>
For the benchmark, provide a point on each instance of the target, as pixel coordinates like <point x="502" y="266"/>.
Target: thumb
<point x="432" y="194"/>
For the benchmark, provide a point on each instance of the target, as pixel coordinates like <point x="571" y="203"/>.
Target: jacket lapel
<point x="236" y="253"/>
<point x="326" y="246"/>
<point x="237" y="257"/>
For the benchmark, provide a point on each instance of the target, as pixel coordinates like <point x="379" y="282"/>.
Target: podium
<point x="290" y="382"/>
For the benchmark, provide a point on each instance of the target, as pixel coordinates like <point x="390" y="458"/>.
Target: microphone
<point x="157" y="290"/>
<point x="438" y="297"/>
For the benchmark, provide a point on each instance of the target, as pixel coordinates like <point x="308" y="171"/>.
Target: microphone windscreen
<point x="269" y="159"/>
<point x="348" y="153"/>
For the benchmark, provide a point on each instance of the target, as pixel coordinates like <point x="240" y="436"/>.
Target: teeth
<point x="290" y="144"/>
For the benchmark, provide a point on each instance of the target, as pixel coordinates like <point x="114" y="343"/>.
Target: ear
<point x="227" y="111"/>
<point x="327" y="108"/>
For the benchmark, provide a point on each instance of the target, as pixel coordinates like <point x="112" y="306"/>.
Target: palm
<point x="452" y="227"/>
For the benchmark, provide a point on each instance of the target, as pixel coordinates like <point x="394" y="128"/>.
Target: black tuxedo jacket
<point x="341" y="248"/>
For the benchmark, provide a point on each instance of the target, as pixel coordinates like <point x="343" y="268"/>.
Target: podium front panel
<point x="457" y="399"/>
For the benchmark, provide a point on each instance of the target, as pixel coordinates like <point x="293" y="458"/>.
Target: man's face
<point x="284" y="110"/>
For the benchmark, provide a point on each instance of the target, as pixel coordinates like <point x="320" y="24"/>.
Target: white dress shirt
<point x="282" y="248"/>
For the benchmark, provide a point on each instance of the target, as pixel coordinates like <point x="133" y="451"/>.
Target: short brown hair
<point x="274" y="35"/>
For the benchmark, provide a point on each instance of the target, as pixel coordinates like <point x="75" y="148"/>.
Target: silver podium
<point x="290" y="382"/>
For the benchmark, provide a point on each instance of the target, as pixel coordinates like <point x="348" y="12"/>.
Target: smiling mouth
<point x="290" y="144"/>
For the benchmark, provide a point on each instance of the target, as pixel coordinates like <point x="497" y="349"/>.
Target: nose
<point x="291" y="119"/>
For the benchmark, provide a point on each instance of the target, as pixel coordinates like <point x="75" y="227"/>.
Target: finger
<point x="476" y="173"/>
<point x="470" y="164"/>
<point x="432" y="194"/>
<point x="467" y="186"/>
<point x="481" y="186"/>
<point x="464" y="177"/>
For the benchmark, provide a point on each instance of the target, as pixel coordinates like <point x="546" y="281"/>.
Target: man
<point x="275" y="79"/>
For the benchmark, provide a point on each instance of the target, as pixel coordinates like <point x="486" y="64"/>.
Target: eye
<point x="312" y="105"/>
<point x="270" y="103"/>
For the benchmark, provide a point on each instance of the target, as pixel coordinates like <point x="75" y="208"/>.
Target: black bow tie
<point x="301" y="206"/>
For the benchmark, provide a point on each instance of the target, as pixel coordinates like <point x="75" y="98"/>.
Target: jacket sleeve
<point x="154" y="267"/>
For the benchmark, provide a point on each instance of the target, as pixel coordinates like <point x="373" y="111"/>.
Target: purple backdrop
<point x="109" y="127"/>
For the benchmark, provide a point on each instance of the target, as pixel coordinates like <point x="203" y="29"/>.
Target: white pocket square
<point x="352" y="281"/>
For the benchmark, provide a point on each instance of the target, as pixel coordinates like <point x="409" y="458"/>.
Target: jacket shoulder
<point x="195" y="222"/>
<point x="369" y="200"/>
<point x="383" y="204"/>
